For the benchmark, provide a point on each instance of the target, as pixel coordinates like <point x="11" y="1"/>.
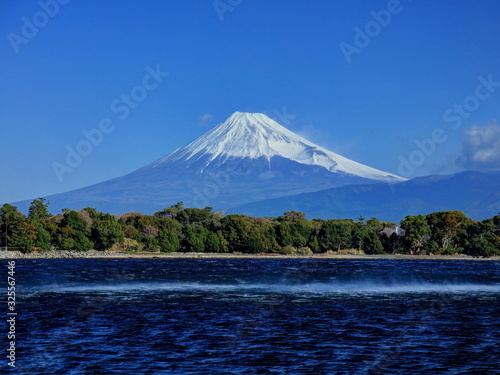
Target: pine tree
<point x="38" y="209"/>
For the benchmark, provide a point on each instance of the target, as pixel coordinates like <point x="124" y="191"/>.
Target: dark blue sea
<point x="256" y="316"/>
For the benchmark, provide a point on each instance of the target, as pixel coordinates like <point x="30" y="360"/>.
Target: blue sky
<point x="61" y="78"/>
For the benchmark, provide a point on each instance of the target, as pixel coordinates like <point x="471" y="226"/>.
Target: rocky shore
<point x="117" y="255"/>
<point x="58" y="255"/>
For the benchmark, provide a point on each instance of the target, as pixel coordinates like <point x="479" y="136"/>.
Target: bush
<point x="305" y="251"/>
<point x="288" y="250"/>
<point x="127" y="244"/>
<point x="151" y="244"/>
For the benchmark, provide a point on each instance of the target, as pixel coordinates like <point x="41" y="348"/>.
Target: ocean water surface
<point x="257" y="316"/>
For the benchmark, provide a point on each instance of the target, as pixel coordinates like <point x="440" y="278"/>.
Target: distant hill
<point x="477" y="194"/>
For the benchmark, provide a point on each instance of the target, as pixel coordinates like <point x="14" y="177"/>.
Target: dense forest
<point x="181" y="229"/>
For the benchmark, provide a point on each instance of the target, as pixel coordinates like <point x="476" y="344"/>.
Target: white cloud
<point x="203" y="120"/>
<point x="481" y="148"/>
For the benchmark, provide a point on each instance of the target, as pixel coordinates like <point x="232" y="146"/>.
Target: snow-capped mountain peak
<point x="254" y="135"/>
<point x="245" y="159"/>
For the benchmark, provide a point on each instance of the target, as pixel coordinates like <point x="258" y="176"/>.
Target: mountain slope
<point x="247" y="158"/>
<point x="477" y="194"/>
<point x="254" y="136"/>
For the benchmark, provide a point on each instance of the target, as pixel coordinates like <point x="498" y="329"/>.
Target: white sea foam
<point x="307" y="288"/>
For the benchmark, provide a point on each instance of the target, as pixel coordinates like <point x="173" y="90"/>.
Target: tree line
<point x="181" y="229"/>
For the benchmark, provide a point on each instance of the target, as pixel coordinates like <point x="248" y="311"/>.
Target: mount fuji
<point x="245" y="159"/>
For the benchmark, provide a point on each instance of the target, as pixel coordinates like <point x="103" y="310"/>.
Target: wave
<point x="350" y="287"/>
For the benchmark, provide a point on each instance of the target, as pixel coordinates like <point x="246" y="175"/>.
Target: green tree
<point x="79" y="233"/>
<point x="16" y="231"/>
<point x="106" y="231"/>
<point x="52" y="228"/>
<point x="212" y="243"/>
<point x="390" y="243"/>
<point x="131" y="232"/>
<point x="284" y="233"/>
<point x="26" y="235"/>
<point x="335" y="234"/>
<point x="445" y="228"/>
<point x="38" y="209"/>
<point x="264" y="236"/>
<point x="375" y="225"/>
<point x="315" y="227"/>
<point x="151" y="243"/>
<point x="168" y="241"/>
<point x="484" y="238"/>
<point x="194" y="215"/>
<point x="482" y="246"/>
<point x="236" y="229"/>
<point x="294" y="233"/>
<point x="195" y="238"/>
<point x="248" y="235"/>
<point x="171" y="211"/>
<point x="417" y="232"/>
<point x="43" y="238"/>
<point x="7" y="212"/>
<point x="313" y="244"/>
<point x="303" y="230"/>
<point x="359" y="234"/>
<point x="64" y="238"/>
<point x="170" y="225"/>
<point x="94" y="215"/>
<point x="292" y="216"/>
<point x="372" y="243"/>
<point x="223" y="242"/>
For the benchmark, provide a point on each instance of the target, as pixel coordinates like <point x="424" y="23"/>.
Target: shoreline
<point x="115" y="255"/>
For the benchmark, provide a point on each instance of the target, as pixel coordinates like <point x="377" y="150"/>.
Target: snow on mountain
<point x="245" y="159"/>
<point x="254" y="135"/>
